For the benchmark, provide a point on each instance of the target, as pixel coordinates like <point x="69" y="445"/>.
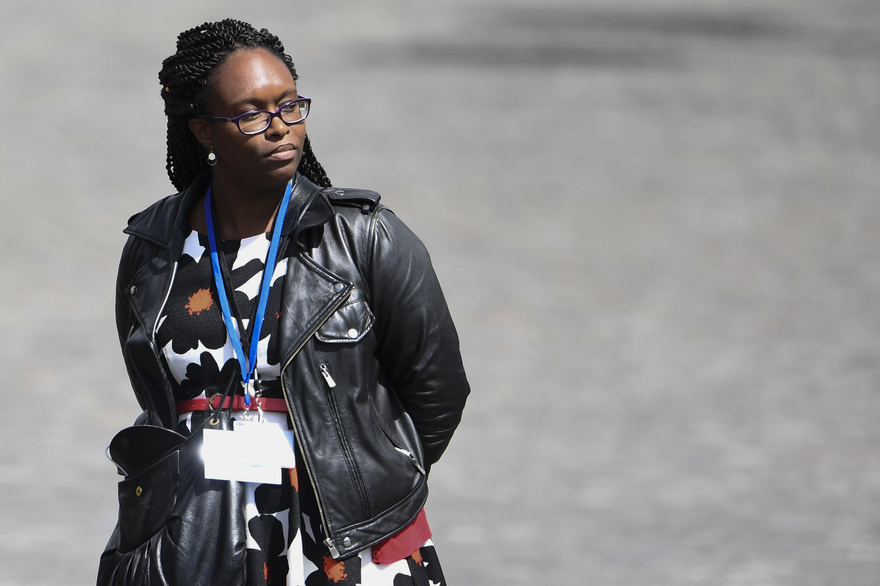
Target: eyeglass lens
<point x="259" y="121"/>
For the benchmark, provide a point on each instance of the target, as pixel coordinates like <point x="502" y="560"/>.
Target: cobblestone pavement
<point x="656" y="223"/>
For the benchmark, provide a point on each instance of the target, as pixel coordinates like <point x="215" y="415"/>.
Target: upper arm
<point x="133" y="257"/>
<point x="418" y="344"/>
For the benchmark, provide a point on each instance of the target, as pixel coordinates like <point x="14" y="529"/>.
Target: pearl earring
<point x="212" y="158"/>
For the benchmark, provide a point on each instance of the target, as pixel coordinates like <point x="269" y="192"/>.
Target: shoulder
<point x="364" y="228"/>
<point x="159" y="222"/>
<point x="156" y="223"/>
<point x="354" y="210"/>
<point x="365" y="200"/>
<point x="151" y="231"/>
<point x="379" y="232"/>
<point x="359" y="212"/>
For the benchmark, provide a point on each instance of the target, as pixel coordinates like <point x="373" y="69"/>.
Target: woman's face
<point x="251" y="79"/>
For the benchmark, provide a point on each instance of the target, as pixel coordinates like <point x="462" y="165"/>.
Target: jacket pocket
<point x="344" y="442"/>
<point x="397" y="427"/>
<point x="146" y="500"/>
<point x="171" y="515"/>
<point x="350" y="323"/>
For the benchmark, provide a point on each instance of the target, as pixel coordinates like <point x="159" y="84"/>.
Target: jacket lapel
<point x="319" y="294"/>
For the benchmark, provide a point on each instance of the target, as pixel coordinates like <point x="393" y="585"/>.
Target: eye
<point x="290" y="107"/>
<point x="250" y="117"/>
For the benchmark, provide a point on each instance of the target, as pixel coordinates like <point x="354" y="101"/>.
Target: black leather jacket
<point x="362" y="302"/>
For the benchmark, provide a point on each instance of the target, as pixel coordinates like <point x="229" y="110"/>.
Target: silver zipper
<point x="156" y="350"/>
<point x="412" y="457"/>
<point x="151" y="339"/>
<point x="164" y="301"/>
<point x="325" y="372"/>
<point x="333" y="551"/>
<point x="340" y="429"/>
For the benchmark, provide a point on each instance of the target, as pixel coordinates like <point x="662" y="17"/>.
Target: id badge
<point x="253" y="451"/>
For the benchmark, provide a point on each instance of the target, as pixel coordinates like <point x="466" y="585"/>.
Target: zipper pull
<point x="334" y="553"/>
<point x="413" y="458"/>
<point x="326" y="374"/>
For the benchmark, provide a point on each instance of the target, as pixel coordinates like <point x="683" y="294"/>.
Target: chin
<point x="282" y="173"/>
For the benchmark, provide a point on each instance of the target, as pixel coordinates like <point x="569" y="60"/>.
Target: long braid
<point x="186" y="74"/>
<point x="311" y="168"/>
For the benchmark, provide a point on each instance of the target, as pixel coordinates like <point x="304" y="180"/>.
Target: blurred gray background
<point x="655" y="221"/>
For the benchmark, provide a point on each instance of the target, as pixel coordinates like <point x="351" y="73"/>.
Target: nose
<point x="277" y="125"/>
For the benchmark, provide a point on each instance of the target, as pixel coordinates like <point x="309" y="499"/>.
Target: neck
<point x="238" y="213"/>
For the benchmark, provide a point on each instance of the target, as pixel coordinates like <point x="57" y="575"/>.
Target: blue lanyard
<point x="247" y="367"/>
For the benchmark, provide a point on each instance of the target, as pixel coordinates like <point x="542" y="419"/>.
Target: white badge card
<point x="253" y="452"/>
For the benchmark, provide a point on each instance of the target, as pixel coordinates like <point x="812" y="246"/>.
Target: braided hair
<point x="186" y="74"/>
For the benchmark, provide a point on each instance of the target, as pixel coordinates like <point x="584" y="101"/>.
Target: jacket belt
<point x="237" y="402"/>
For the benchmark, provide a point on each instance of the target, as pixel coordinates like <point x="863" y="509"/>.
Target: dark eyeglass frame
<point x="237" y="119"/>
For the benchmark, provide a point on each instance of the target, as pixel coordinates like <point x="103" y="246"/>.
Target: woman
<point x="261" y="296"/>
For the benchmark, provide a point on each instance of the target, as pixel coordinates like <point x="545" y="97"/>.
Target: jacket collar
<point x="160" y="222"/>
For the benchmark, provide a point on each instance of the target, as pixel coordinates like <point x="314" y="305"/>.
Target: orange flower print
<point x="334" y="569"/>
<point x="199" y="301"/>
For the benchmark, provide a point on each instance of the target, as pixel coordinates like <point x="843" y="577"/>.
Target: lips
<point x="284" y="152"/>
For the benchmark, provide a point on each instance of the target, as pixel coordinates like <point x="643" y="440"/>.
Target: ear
<point x="202" y="131"/>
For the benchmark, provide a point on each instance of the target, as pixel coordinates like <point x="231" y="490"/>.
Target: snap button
<point x="338" y="287"/>
<point x="133" y="290"/>
<point x="340" y="192"/>
<point x="346" y="542"/>
<point x="138" y="491"/>
<point x="352" y="333"/>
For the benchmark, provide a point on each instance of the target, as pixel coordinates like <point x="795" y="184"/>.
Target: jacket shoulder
<point x="364" y="199"/>
<point x="157" y="222"/>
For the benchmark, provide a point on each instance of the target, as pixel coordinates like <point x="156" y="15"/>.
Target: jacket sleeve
<point x="418" y="346"/>
<point x="124" y="318"/>
<point x="134" y="255"/>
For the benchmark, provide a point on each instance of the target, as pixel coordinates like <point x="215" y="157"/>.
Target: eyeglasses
<point x="257" y="121"/>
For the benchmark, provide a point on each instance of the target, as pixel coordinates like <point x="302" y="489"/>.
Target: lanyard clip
<point x="253" y="395"/>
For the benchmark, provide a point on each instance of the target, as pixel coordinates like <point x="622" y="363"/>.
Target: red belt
<point x="266" y="404"/>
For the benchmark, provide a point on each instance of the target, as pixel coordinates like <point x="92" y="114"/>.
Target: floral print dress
<point x="284" y="534"/>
